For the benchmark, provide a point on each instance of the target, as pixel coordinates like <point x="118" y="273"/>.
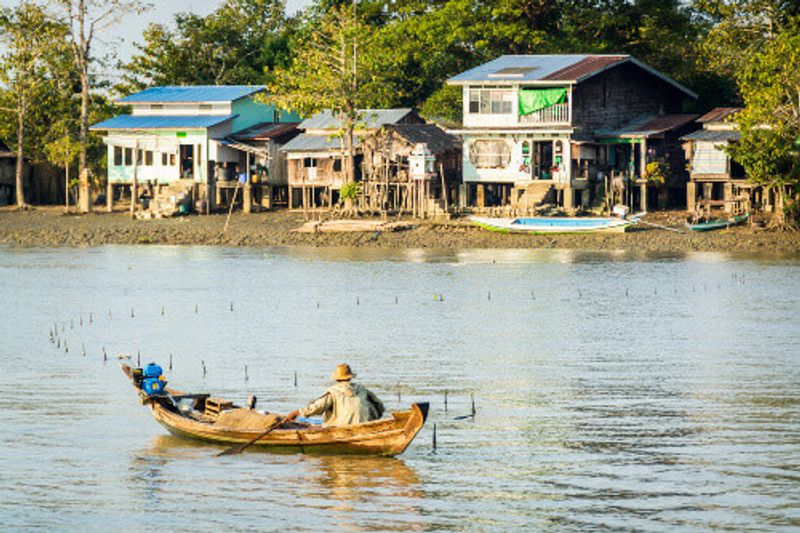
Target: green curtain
<point x="533" y="100"/>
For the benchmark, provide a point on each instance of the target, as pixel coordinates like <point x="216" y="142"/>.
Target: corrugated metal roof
<point x="436" y="138"/>
<point x="371" y="119"/>
<point x="192" y="94"/>
<point x="585" y="67"/>
<point x="157" y="122"/>
<point x="538" y="67"/>
<point x="553" y="69"/>
<point x="718" y="114"/>
<point x="713" y="136"/>
<point x="266" y="131"/>
<point x="647" y="126"/>
<point x="315" y="143"/>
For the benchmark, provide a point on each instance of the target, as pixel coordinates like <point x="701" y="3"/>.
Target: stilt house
<point x="390" y="180"/>
<point x="716" y="179"/>
<point x="187" y="134"/>
<point x="316" y="158"/>
<point x="567" y="129"/>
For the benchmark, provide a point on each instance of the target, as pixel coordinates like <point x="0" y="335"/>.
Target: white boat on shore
<point x="557" y="224"/>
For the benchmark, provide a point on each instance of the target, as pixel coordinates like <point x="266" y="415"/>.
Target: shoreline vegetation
<point x="50" y="227"/>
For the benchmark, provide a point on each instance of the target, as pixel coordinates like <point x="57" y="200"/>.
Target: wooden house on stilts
<point x="316" y="167"/>
<point x="412" y="168"/>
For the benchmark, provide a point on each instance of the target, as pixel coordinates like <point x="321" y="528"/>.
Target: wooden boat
<point x="201" y="417"/>
<point x="556" y="224"/>
<point x="719" y="223"/>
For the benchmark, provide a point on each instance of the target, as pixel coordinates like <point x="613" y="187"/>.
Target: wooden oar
<point x="239" y="448"/>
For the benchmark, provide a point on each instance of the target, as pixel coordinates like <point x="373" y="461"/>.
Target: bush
<point x="350" y="190"/>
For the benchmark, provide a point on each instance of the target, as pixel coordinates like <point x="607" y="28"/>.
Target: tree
<point x="32" y="41"/>
<point x="333" y="68"/>
<point x="769" y="150"/>
<point x="63" y="150"/>
<point x="231" y="45"/>
<point x="85" y="19"/>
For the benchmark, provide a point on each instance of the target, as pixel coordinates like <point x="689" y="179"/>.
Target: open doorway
<point x="187" y="161"/>
<point x="542" y="160"/>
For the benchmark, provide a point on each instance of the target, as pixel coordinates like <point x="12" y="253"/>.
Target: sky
<point x="121" y="38"/>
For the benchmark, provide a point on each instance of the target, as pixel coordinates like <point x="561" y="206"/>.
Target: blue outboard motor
<point x="153" y="382"/>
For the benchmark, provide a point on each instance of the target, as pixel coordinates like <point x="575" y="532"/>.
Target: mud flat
<point x="50" y="227"/>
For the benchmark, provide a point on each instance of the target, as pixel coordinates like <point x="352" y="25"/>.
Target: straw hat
<point x="342" y="373"/>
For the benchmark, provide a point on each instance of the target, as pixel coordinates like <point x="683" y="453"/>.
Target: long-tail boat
<point x="547" y="225"/>
<point x="201" y="417"/>
<point x="718" y="223"/>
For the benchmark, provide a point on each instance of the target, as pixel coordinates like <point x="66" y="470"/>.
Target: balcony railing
<point x="555" y="114"/>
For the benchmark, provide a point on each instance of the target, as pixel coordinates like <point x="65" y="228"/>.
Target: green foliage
<point x="233" y="45"/>
<point x="35" y="76"/>
<point x="656" y="172"/>
<point x="350" y="190"/>
<point x="769" y="81"/>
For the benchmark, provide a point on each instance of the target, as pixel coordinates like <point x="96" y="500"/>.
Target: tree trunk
<point x="85" y="188"/>
<point x="66" y="187"/>
<point x="20" y="161"/>
<point x="351" y="160"/>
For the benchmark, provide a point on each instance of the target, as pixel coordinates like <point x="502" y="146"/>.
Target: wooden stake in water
<point x="162" y="310"/>
<point x="81" y="322"/>
<point x="195" y="308"/>
<point x="434" y="436"/>
<point x="91" y="318"/>
<point x="204" y="368"/>
<point x="231" y="306"/>
<point x="489" y="296"/>
<point x="295" y="379"/>
<point x="105" y="355"/>
<point x="445" y="401"/>
<point x="131" y="312"/>
<point x="66" y="348"/>
<point x="170" y="361"/>
<point x="138" y="358"/>
<point x="246" y="377"/>
<point x="83" y="349"/>
<point x="58" y="343"/>
<point x="472" y="397"/>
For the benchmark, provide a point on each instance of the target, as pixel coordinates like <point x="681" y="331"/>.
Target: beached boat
<point x="201" y="417"/>
<point x="557" y="224"/>
<point x="719" y="223"/>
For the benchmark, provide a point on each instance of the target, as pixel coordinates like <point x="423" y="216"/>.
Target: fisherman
<point x="345" y="403"/>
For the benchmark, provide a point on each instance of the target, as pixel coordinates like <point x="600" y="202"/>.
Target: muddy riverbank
<point x="50" y="227"/>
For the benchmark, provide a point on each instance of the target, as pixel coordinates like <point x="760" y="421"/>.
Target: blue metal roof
<point x="370" y="119"/>
<point x="316" y="143"/>
<point x="525" y="68"/>
<point x="192" y="94"/>
<point x="157" y="122"/>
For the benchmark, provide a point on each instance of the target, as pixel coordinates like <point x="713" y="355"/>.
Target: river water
<point x="612" y="391"/>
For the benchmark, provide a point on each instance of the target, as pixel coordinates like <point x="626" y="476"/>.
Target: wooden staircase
<point x="530" y="195"/>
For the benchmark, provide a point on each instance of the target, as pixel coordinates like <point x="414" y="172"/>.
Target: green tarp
<point x="533" y="100"/>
